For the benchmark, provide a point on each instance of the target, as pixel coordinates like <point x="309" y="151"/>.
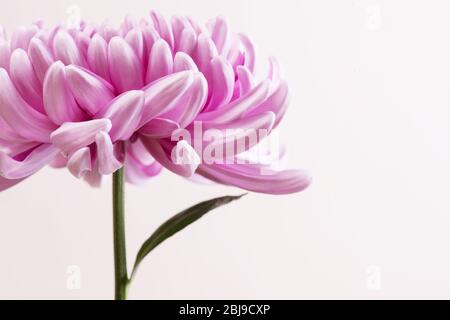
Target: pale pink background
<point x="369" y="118"/>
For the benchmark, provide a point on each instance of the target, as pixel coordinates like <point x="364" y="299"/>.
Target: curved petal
<point x="183" y="62"/>
<point x="161" y="61"/>
<point x="72" y="136"/>
<point x="107" y="162"/>
<point x="38" y="158"/>
<point x="249" y="177"/>
<point x="139" y="164"/>
<point x="125" y="69"/>
<point x="164" y="94"/>
<point x="163" y="27"/>
<point x="40" y="57"/>
<point x="188" y="41"/>
<point x="223" y="80"/>
<point x="136" y="40"/>
<point x="182" y="159"/>
<point x="7" y="183"/>
<point x="80" y="162"/>
<point x="125" y="114"/>
<point x="206" y="51"/>
<point x="59" y="102"/>
<point x="5" y="53"/>
<point x="249" y="52"/>
<point x="66" y="49"/>
<point x="97" y="57"/>
<point x="245" y="79"/>
<point x="238" y="107"/>
<point x="91" y="92"/>
<point x="22" y="37"/>
<point x="26" y="121"/>
<point x="220" y="35"/>
<point x="25" y="80"/>
<point x="159" y="128"/>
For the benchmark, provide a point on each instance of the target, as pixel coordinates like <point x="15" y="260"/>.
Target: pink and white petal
<point x="94" y="178"/>
<point x="220" y="35"/>
<point x="188" y="41"/>
<point x="183" y="62"/>
<point x="239" y="107"/>
<point x="277" y="103"/>
<point x="246" y="80"/>
<point x="139" y="164"/>
<point x="37" y="158"/>
<point x="206" y="51"/>
<point x="66" y="49"/>
<point x="136" y="40"/>
<point x="21" y="117"/>
<point x="223" y="80"/>
<point x="107" y="162"/>
<point x="241" y="135"/>
<point x="249" y="52"/>
<point x="125" y="113"/>
<point x="163" y="27"/>
<point x="97" y="57"/>
<point x="40" y="57"/>
<point x="249" y="177"/>
<point x="124" y="66"/>
<point x="80" y="162"/>
<point x="59" y="161"/>
<point x="25" y="80"/>
<point x="5" y="54"/>
<point x="6" y="183"/>
<point x="150" y="36"/>
<point x="159" y="128"/>
<point x="160" y="63"/>
<point x="91" y="92"/>
<point x="193" y="102"/>
<point x="59" y="102"/>
<point x="22" y="37"/>
<point x="72" y="136"/>
<point x="181" y="159"/>
<point x="164" y="94"/>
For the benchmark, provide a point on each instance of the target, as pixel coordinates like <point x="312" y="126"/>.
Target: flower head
<point x="95" y="99"/>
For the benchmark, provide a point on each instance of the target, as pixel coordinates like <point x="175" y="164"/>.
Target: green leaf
<point x="178" y="223"/>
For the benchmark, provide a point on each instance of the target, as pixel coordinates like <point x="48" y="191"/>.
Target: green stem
<point x="120" y="255"/>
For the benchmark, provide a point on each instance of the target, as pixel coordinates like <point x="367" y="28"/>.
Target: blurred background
<point x="369" y="118"/>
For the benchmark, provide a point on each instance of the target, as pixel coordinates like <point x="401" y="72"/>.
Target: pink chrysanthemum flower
<point x="96" y="99"/>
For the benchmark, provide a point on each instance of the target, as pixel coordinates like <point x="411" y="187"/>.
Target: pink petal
<point x="80" y="162"/>
<point x="206" y="51"/>
<point x="161" y="61"/>
<point x="14" y="110"/>
<point x="277" y="103"/>
<point x="107" y="162"/>
<point x="125" y="114"/>
<point x="91" y="92"/>
<point x="22" y="37"/>
<point x="188" y="41"/>
<point x="25" y="80"/>
<point x="159" y="128"/>
<point x="33" y="162"/>
<point x="249" y="177"/>
<point x="6" y="183"/>
<point x="163" y="27"/>
<point x="220" y="35"/>
<point x="139" y="164"/>
<point x="223" y="79"/>
<point x="7" y="133"/>
<point x="136" y="40"/>
<point x="5" y="54"/>
<point x="238" y="107"/>
<point x="66" y="49"/>
<point x="191" y="104"/>
<point x="59" y="102"/>
<point x="72" y="136"/>
<point x="250" y="52"/>
<point x="164" y="94"/>
<point x="245" y="79"/>
<point x="150" y="37"/>
<point x="97" y="57"/>
<point x="182" y="159"/>
<point x="183" y="62"/>
<point x="125" y="68"/>
<point x="40" y="57"/>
